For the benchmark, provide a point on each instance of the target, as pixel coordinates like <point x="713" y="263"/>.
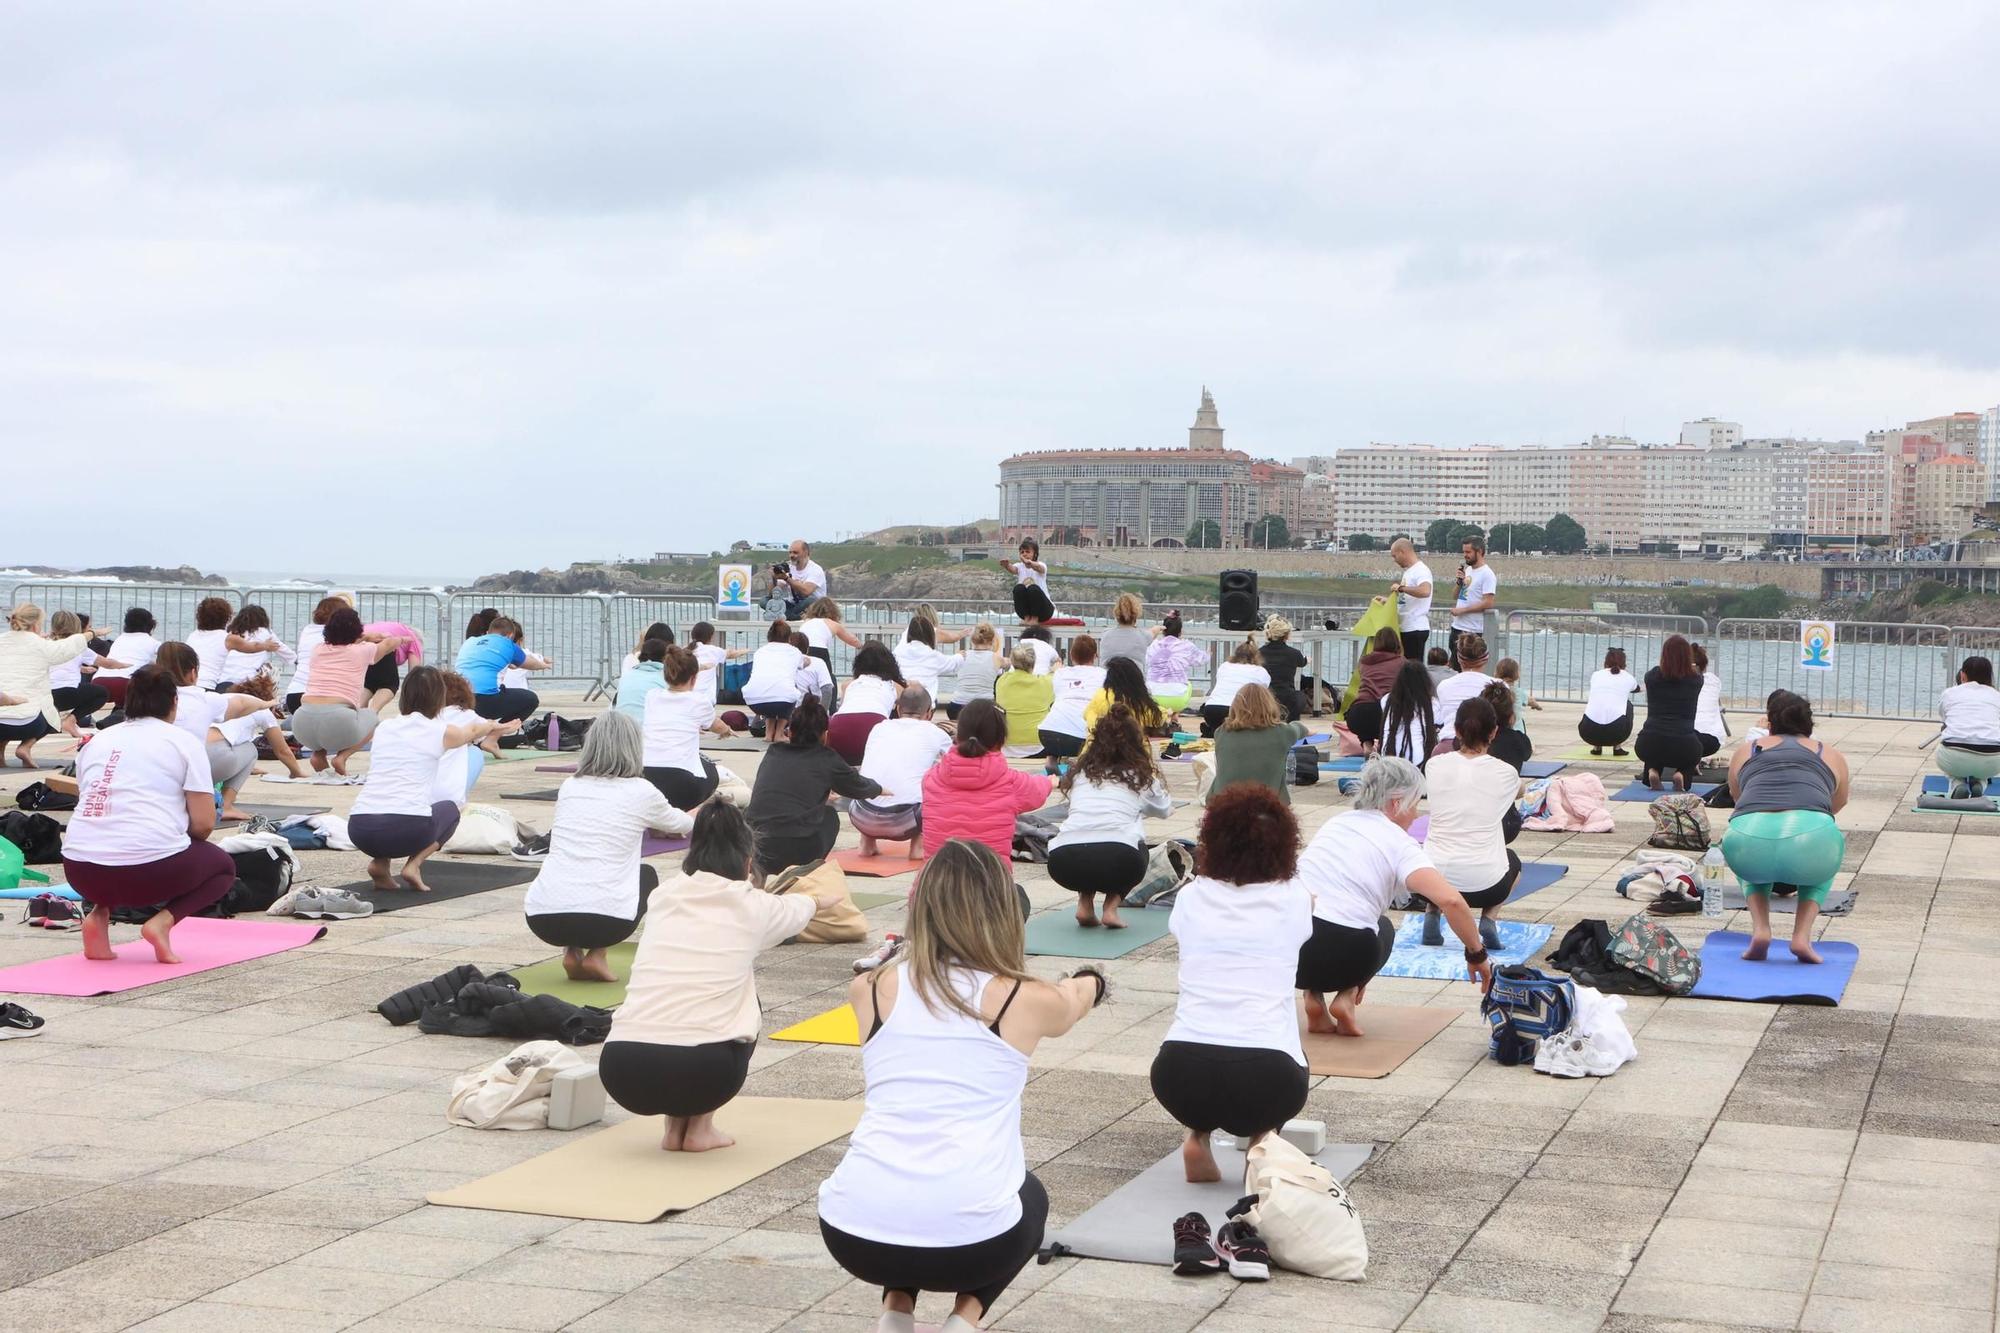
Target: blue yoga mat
<point x="1779" y="979"/>
<point x="1519" y="941"/>
<point x="1535" y="876"/>
<point x="1639" y="791"/>
<point x="37" y="890"/>
<point x="1542" y="768"/>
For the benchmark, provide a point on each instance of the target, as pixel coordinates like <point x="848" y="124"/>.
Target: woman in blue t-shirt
<point x="483" y="657"/>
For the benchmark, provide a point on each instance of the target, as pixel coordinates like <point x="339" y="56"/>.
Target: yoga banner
<point x="732" y="588"/>
<point x="1816" y="645"/>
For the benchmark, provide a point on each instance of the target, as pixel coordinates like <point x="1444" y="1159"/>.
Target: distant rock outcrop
<point x="185" y="574"/>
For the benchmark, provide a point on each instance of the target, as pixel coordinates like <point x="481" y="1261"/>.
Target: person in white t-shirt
<point x="1039" y="640"/>
<point x="773" y="688"/>
<point x="898" y="754"/>
<point x="796" y="582"/>
<point x="1469" y="682"/>
<point x="1031" y="584"/>
<point x="138" y="836"/>
<point x="1471" y="793"/>
<point x="252" y="625"/>
<point x="1478" y="588"/>
<point x="398" y="812"/>
<point x="815" y="677"/>
<point x="1607" y="708"/>
<point x="1244" y="667"/>
<point x="1355" y="867"/>
<point x="459" y="770"/>
<point x="823" y="628"/>
<point x="1969" y="728"/>
<point x="1112" y="787"/>
<point x="868" y="697"/>
<point x="1413" y="590"/>
<point x="709" y="657"/>
<point x="73" y="695"/>
<point x="217" y="722"/>
<point x="311" y="636"/>
<point x="676" y="718"/>
<point x="591" y="890"/>
<point x="1709" y="722"/>
<point x="1063" y="729"/>
<point x="134" y="647"/>
<point x="918" y="658"/>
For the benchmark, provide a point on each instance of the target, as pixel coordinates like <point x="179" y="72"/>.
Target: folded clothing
<point x="407" y="1006"/>
<point x="497" y="1008"/>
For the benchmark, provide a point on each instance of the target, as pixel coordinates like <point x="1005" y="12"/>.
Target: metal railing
<point x="1879" y="670"/>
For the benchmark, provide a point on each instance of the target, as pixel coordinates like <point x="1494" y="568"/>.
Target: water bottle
<point x="1714" y="880"/>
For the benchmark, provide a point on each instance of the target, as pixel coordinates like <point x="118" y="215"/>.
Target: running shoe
<point x="533" y="848"/>
<point x="53" y="912"/>
<point x="1194" y="1248"/>
<point x="1243" y="1251"/>
<point x="331" y="904"/>
<point x="18" y="1022"/>
<point x="890" y="944"/>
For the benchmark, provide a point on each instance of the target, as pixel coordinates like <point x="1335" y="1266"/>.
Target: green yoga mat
<point x="1057" y="934"/>
<point x="547" y="978"/>
<point x="864" y="901"/>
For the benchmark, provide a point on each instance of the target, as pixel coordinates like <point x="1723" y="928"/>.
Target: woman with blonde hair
<point x="73" y="695"/>
<point x="934" y="1193"/>
<point x="979" y="667"/>
<point x="1125" y="638"/>
<point x="1255" y="743"/>
<point x="1283" y="662"/>
<point x="26" y="658"/>
<point x="1024" y="697"/>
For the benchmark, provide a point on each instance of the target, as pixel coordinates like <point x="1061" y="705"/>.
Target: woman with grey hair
<point x="592" y="889"/>
<point x="1354" y="867"/>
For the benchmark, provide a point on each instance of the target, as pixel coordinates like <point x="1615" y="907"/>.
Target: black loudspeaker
<point x="1238" y="594"/>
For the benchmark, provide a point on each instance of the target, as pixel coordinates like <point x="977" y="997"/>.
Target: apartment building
<point x="1948" y="492"/>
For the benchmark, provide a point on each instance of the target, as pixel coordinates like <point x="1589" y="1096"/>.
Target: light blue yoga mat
<point x="1519" y="941"/>
<point x="1780" y="978"/>
<point x="1639" y="791"/>
<point x="37" y="890"/>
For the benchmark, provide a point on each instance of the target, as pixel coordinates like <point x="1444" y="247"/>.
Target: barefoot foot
<point x="595" y="967"/>
<point x="572" y="961"/>
<point x="1199" y="1161"/>
<point x="97" y="937"/>
<point x="378" y="875"/>
<point x="1804" y="951"/>
<point x="1317" y="1018"/>
<point x="1086" y="919"/>
<point x="676" y="1132"/>
<point x="1343" y="1012"/>
<point x="155" y="933"/>
<point x="706" y="1140"/>
<point x="1759" y="947"/>
<point x="414" y="881"/>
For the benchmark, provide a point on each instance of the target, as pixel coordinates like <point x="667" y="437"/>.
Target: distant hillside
<point x="988" y="529"/>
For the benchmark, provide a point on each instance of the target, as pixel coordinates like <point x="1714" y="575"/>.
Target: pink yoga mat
<point x="655" y="845"/>
<point x="202" y="942"/>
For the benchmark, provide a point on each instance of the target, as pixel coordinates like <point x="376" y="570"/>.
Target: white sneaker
<point x="890" y="944"/>
<point x="1571" y="1055"/>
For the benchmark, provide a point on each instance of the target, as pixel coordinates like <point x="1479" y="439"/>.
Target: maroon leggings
<point x="183" y="883"/>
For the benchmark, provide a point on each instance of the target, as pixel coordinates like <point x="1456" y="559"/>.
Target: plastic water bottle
<point x="1714" y="880"/>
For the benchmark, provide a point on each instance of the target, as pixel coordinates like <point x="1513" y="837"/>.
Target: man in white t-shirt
<point x="1470" y="681"/>
<point x="797" y="583"/>
<point x="1477" y="589"/>
<point x="1412" y="591"/>
<point x="899" y="752"/>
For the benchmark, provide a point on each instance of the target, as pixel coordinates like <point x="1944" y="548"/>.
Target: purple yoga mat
<point x="654" y="845"/>
<point x="202" y="942"/>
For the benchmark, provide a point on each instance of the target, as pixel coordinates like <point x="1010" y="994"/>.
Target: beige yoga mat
<point x="622" y="1175"/>
<point x="1395" y="1033"/>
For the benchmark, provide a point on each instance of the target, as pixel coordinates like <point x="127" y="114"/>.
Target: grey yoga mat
<point x="1839" y="902"/>
<point x="1135" y="1224"/>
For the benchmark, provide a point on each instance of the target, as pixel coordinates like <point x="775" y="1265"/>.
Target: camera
<point x="778" y="570"/>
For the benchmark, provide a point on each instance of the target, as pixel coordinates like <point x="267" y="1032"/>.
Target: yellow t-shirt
<point x="1026" y="699"/>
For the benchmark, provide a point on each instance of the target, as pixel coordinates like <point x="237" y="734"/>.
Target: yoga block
<point x="576" y="1098"/>
<point x="61" y="782"/>
<point x="1308" y="1136"/>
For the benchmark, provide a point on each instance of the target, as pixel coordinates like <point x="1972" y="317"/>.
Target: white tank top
<point x="936" y="1160"/>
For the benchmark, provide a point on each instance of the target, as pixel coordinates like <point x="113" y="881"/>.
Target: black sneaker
<point x="1194" y="1249"/>
<point x="1675" y="902"/>
<point x="18" y="1022"/>
<point x="1244" y="1251"/>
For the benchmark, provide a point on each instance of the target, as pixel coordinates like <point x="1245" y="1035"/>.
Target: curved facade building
<point x="1132" y="497"/>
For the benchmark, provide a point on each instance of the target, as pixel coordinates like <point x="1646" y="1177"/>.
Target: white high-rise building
<point x="1709" y="433"/>
<point x="1988" y="452"/>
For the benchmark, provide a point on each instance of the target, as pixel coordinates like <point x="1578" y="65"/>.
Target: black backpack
<point x="1305" y="766"/>
<point x="38" y="836"/>
<point x="262" y="876"/>
<point x="41" y="796"/>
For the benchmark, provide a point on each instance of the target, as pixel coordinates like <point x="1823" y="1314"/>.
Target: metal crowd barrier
<point x="1558" y="650"/>
<point x="172" y="604"/>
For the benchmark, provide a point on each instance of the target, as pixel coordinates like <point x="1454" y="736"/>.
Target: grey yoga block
<point x="576" y="1098"/>
<point x="1308" y="1136"/>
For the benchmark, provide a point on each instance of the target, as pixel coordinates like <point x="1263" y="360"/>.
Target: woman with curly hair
<point x="1232" y="1059"/>
<point x="1112" y="787"/>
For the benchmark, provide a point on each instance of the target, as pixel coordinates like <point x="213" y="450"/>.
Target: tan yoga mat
<point x="1395" y="1032"/>
<point x="622" y="1175"/>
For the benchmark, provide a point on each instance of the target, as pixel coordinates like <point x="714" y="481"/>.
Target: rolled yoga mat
<point x="1135" y="1224"/>
<point x="1394" y="1033"/>
<point x="1780" y="978"/>
<point x="547" y="794"/>
<point x="621" y="1174"/>
<point x="1636" y="790"/>
<point x="1937" y="798"/>
<point x="1055" y="933"/>
<point x="746" y="744"/>
<point x="203" y="943"/>
<point x="448" y="880"/>
<point x="1519" y="941"/>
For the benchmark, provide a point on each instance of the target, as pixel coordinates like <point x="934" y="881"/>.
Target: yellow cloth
<point x="1378" y="617"/>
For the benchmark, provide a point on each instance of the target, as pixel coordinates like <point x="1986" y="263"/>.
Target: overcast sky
<point x="450" y="288"/>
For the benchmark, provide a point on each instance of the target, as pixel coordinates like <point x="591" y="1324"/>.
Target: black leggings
<point x="1113" y="869"/>
<point x="1601" y="734"/>
<point x="593" y="930"/>
<point x="509" y="705"/>
<point x="1289" y="700"/>
<point x="1481" y="899"/>
<point x="1212" y="718"/>
<point x="1060" y="744"/>
<point x="1364" y="719"/>
<point x="982" y="1270"/>
<point x="1339" y="958"/>
<point x="381" y="675"/>
<point x="649" y="1079"/>
<point x="1031" y="603"/>
<point x="1414" y="643"/>
<point x="1247" y="1090"/>
<point x="683" y="790"/>
<point x="81" y="700"/>
<point x="1670" y="753"/>
<point x="781" y="849"/>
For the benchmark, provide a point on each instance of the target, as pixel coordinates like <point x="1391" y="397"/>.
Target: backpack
<point x="263" y="875"/>
<point x="38" y="836"/>
<point x="1523" y="1007"/>
<point x="1585" y="953"/>
<point x="41" y="796"/>
<point x="1305" y="766"/>
<point x="1168" y="866"/>
<point x="1679" y="822"/>
<point x="1650" y="949"/>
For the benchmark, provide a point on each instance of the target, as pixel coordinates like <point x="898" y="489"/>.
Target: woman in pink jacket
<point x="971" y="793"/>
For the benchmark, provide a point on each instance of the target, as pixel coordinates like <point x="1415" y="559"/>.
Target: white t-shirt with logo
<point x="1355" y="866"/>
<point x="898" y="754"/>
<point x="403" y="759"/>
<point x="1027" y="573"/>
<point x="132" y="788"/>
<point x="1478" y="583"/>
<point x="675" y="720"/>
<point x="1239" y="953"/>
<point x="1469" y="796"/>
<point x="1413" y="613"/>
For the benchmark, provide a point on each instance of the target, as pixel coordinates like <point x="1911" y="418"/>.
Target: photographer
<point x="795" y="584"/>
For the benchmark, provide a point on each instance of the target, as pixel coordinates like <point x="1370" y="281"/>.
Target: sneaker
<point x="1977" y="786"/>
<point x="1569" y="1055"/>
<point x="1675" y="902"/>
<point x="1961" y="790"/>
<point x="52" y="911"/>
<point x="1243" y="1251"/>
<point x="1433" y="930"/>
<point x="334" y="904"/>
<point x="18" y="1022"/>
<point x="533" y="849"/>
<point x="1194" y="1248"/>
<point x="259" y="824"/>
<point x="887" y="950"/>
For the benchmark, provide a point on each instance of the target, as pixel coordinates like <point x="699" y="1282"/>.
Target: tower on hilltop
<point x="1206" y="433"/>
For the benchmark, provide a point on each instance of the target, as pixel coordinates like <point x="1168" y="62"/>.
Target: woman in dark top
<point x="1788" y="789"/>
<point x="1511" y="745"/>
<point x="1284" y="662"/>
<point x="1379" y="666"/>
<point x="1668" y="743"/>
<point x="788" y="803"/>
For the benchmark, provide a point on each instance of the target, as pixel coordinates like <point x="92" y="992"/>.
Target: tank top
<point x="1785" y="776"/>
<point x="976" y="675"/>
<point x="936" y="1160"/>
